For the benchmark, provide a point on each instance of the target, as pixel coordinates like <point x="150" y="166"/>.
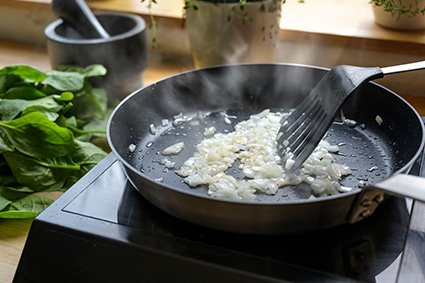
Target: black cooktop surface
<point x="102" y="230"/>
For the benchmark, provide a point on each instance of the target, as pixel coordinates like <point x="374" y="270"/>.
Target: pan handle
<point x="403" y="185"/>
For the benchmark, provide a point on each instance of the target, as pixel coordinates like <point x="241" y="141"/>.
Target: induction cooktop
<point x="102" y="230"/>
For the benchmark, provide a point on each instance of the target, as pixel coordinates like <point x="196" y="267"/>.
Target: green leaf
<point x="70" y="122"/>
<point x="94" y="71"/>
<point x="13" y="194"/>
<point x="97" y="125"/>
<point x="46" y="104"/>
<point x="7" y="180"/>
<point x="65" y="81"/>
<point x="4" y="202"/>
<point x="27" y="207"/>
<point x="41" y="175"/>
<point x="8" y="81"/>
<point x="90" y="104"/>
<point x="20" y="189"/>
<point x="35" y="135"/>
<point x="17" y="214"/>
<point x="24" y="72"/>
<point x="32" y="203"/>
<point x="5" y="144"/>
<point x="65" y="96"/>
<point x="11" y="108"/>
<point x="27" y="92"/>
<point x="87" y="153"/>
<point x="38" y="151"/>
<point x="102" y="98"/>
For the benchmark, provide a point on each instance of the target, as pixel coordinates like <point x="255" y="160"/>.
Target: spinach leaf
<point x="17" y="214"/>
<point x="65" y="81"/>
<point x="4" y="202"/>
<point x="89" y="104"/>
<point x="32" y="203"/>
<point x="39" y="152"/>
<point x="5" y="144"/>
<point x="7" y="82"/>
<point x="87" y="153"/>
<point x="11" y="108"/>
<point x="13" y="194"/>
<point x="46" y="105"/>
<point x="94" y="70"/>
<point x="27" y="207"/>
<point x="35" y="135"/>
<point x="24" y="72"/>
<point x="65" y="96"/>
<point x="41" y="175"/>
<point x="27" y="92"/>
<point x="7" y="180"/>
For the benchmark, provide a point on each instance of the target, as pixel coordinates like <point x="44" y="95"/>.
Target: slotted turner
<point x="302" y="129"/>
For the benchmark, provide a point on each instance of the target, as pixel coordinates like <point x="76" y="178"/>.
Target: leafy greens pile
<point x="47" y="120"/>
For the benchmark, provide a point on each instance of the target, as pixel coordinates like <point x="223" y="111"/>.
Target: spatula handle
<point x="403" y="68"/>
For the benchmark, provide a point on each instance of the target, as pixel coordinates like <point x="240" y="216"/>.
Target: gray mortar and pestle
<point x="115" y="40"/>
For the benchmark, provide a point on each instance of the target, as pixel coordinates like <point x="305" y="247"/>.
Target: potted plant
<point x="230" y="31"/>
<point x="223" y="32"/>
<point x="399" y="14"/>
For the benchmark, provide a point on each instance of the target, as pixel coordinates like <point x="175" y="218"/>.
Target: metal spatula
<point x="302" y="130"/>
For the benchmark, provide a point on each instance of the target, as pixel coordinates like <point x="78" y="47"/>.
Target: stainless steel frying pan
<point x="391" y="146"/>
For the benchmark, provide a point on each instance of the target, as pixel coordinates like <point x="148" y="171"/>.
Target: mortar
<point x="124" y="54"/>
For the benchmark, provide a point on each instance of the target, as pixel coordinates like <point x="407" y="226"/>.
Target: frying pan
<point x="374" y="151"/>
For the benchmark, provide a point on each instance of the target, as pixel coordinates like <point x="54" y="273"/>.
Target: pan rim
<point x="160" y="185"/>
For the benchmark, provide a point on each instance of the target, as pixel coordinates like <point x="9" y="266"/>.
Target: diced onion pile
<point x="253" y="143"/>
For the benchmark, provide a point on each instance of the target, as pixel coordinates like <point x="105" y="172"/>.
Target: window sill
<point x="318" y="32"/>
<point x="348" y="18"/>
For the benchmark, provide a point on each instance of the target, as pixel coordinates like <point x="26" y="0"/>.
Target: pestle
<point x="77" y="14"/>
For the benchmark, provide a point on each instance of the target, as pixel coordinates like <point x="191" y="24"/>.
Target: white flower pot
<point x="400" y="22"/>
<point x="222" y="34"/>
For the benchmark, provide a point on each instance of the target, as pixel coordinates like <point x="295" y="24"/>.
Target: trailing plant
<point x="237" y="11"/>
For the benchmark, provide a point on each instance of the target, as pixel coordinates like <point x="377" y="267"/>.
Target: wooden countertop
<point x="13" y="233"/>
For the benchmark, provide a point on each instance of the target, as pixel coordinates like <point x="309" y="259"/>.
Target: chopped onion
<point x="379" y="120"/>
<point x="167" y="163"/>
<point x="361" y="184"/>
<point x="152" y="129"/>
<point x="173" y="149"/>
<point x="132" y="147"/>
<point x="254" y="144"/>
<point x="209" y="131"/>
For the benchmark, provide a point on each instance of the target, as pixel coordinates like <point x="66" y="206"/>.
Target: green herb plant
<point x="238" y="11"/>
<point x="398" y="7"/>
<point x="47" y="120"/>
